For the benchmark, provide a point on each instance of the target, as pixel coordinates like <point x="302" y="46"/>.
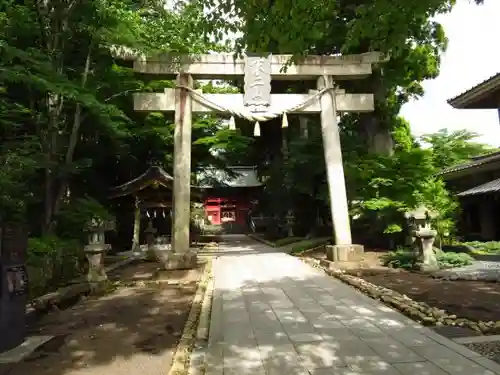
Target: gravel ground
<point x="490" y="349"/>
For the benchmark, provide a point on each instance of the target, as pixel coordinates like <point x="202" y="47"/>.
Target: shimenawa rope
<point x="257" y="117"/>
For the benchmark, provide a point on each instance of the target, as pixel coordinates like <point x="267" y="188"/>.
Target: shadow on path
<point x="134" y="329"/>
<point x="273" y="314"/>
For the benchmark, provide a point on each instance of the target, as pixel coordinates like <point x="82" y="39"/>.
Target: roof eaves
<point x="462" y="100"/>
<point x="488" y="187"/>
<point x="476" y="162"/>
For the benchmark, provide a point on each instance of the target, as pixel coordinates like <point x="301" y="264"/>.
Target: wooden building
<point x="477" y="183"/>
<point x="149" y="196"/>
<point x="229" y="196"/>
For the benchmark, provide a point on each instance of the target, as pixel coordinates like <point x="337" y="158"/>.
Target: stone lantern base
<point x="426" y="260"/>
<point x="95" y="256"/>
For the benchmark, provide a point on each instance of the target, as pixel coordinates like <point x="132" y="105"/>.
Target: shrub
<point x="401" y="258"/>
<point x="449" y="260"/>
<point x="75" y="215"/>
<point x="488" y="248"/>
<point x="51" y="262"/>
<point x="460" y="248"/>
<point x="405" y="259"/>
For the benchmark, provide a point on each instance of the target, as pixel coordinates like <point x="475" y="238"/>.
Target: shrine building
<point x="477" y="182"/>
<point x="229" y="196"/>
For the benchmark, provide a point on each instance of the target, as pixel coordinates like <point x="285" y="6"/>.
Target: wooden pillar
<point x="334" y="168"/>
<point x="182" y="166"/>
<point x="137" y="226"/>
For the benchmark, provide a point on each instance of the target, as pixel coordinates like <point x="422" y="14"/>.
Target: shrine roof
<point x="484" y="95"/>
<point x="234" y="177"/>
<point x="154" y="174"/>
<point x="488" y="187"/>
<point x="483" y="162"/>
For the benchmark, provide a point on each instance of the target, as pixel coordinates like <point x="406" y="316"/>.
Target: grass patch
<point x="279" y="242"/>
<point x="309" y="244"/>
<point x="286" y="241"/>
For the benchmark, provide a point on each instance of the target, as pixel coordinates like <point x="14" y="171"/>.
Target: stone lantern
<point x="290" y="221"/>
<point x="150" y="240"/>
<point x="422" y="238"/>
<point x="96" y="249"/>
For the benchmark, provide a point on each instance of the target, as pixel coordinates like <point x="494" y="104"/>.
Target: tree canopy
<point x="452" y="148"/>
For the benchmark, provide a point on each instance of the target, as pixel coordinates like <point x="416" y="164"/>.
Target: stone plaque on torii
<point x="257" y="89"/>
<point x="259" y="105"/>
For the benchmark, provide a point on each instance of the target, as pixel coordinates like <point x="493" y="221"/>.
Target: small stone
<point x="482" y="327"/>
<point x="473" y="326"/>
<point x="427" y="320"/>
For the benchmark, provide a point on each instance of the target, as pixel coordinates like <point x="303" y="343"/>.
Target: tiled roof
<point x="475" y="162"/>
<point x="489" y="187"/>
<point x="462" y="100"/>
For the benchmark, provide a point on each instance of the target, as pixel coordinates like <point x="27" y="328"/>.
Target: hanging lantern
<point x="256" y="129"/>
<point x="284" y="121"/>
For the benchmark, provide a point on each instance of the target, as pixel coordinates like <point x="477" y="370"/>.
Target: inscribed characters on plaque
<point x="257" y="96"/>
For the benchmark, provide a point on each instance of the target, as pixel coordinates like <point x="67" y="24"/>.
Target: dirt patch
<point x="474" y="300"/>
<point x="134" y="329"/>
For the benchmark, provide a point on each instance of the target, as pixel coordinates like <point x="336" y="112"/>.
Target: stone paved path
<point x="273" y="314"/>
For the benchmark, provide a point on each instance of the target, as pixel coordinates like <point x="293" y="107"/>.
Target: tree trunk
<point x="73" y="138"/>
<point x="378" y="136"/>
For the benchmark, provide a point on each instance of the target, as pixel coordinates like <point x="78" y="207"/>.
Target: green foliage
<point x="308" y="244"/>
<point x="452" y="148"/>
<point x="76" y="214"/>
<point x="52" y="261"/>
<point x="406" y="259"/>
<point x="401" y="258"/>
<point x="450" y="260"/>
<point x="484" y="248"/>
<point x="286" y="241"/>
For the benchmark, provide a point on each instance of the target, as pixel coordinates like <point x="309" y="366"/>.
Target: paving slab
<point x="274" y="314"/>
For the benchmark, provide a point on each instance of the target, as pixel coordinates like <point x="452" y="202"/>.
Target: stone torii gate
<point x="257" y="104"/>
